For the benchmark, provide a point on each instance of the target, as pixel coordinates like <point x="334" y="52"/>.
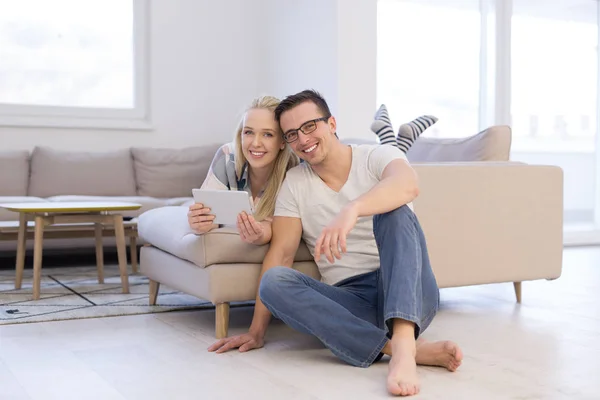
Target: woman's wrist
<point x="203" y="230"/>
<point x="260" y="240"/>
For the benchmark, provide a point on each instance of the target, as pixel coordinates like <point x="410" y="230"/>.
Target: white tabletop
<point x="66" y="207"/>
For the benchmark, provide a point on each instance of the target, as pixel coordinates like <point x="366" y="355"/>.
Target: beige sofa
<point x="148" y="176"/>
<point x="486" y="220"/>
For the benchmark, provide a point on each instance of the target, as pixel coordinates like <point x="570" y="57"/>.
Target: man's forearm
<point x="390" y="193"/>
<point x="262" y="315"/>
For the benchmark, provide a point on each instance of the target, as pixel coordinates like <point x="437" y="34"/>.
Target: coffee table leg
<point x="121" y="251"/>
<point x="99" y="253"/>
<point x="37" y="256"/>
<point x="21" y="245"/>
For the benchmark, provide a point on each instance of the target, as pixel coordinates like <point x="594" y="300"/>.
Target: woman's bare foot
<point x="402" y="376"/>
<point x="439" y="354"/>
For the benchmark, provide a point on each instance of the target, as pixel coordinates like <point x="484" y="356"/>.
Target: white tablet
<point x="225" y="205"/>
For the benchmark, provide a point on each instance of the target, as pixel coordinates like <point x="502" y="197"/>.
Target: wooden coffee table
<point x="69" y="214"/>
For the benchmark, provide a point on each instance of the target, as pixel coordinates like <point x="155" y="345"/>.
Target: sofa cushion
<point x="6" y="215"/>
<point x="180" y="201"/>
<point x="171" y="173"/>
<point x="492" y="144"/>
<point x="167" y="228"/>
<point x="14" y="172"/>
<point x="147" y="203"/>
<point x="59" y="172"/>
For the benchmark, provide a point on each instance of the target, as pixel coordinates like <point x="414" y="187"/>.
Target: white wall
<point x="330" y="46"/>
<point x="302" y="49"/>
<point x="357" y="67"/>
<point x="205" y="65"/>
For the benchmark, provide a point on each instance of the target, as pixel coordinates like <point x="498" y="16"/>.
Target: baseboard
<point x="581" y="238"/>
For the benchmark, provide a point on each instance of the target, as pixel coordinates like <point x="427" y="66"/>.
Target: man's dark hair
<point x="296" y="99"/>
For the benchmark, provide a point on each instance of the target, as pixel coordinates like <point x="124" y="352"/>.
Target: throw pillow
<point x="491" y="144"/>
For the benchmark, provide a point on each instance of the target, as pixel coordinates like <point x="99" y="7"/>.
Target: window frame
<point x="136" y="118"/>
<point x="597" y="208"/>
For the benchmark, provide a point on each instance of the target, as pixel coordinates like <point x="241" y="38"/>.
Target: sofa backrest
<point x="172" y="172"/>
<point x="491" y="144"/>
<point x="167" y="173"/>
<point x="139" y="171"/>
<point x="14" y="172"/>
<point x="61" y="172"/>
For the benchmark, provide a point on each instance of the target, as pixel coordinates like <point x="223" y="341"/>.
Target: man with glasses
<point x="352" y="205"/>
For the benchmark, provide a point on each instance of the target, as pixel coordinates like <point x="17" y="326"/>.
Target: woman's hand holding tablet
<point x="200" y="219"/>
<point x="225" y="205"/>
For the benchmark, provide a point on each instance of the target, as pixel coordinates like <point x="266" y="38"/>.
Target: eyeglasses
<point x="306" y="128"/>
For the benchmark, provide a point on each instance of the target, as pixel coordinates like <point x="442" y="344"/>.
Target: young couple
<point x="352" y="206"/>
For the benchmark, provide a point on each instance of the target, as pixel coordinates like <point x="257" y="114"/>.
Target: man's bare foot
<point x="439" y="354"/>
<point x="402" y="376"/>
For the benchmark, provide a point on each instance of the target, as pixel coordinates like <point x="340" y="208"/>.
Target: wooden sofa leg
<point x="518" y="291"/>
<point x="222" y="320"/>
<point x="154" y="287"/>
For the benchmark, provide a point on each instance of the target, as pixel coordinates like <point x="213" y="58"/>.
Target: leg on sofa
<point x="518" y="291"/>
<point x="222" y="320"/>
<point x="154" y="287"/>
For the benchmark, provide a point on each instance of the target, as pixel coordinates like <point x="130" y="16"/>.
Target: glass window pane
<point x="67" y="53"/>
<point x="554" y="94"/>
<point x="428" y="63"/>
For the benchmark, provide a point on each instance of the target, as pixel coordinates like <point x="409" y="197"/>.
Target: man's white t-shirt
<point x="304" y="195"/>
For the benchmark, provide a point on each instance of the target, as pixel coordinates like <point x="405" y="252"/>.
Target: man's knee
<point x="273" y="280"/>
<point x="398" y="215"/>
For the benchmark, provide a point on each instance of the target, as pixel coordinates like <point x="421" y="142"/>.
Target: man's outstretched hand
<point x="333" y="236"/>
<point x="245" y="342"/>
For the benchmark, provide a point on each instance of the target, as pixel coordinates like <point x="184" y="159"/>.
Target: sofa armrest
<point x="491" y="222"/>
<point x="167" y="229"/>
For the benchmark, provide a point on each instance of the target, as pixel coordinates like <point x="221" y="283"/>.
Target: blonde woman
<point x="256" y="162"/>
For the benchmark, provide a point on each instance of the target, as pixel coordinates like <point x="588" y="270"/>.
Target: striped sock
<point x="382" y="126"/>
<point x="409" y="132"/>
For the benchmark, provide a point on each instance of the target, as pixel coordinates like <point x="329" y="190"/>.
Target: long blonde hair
<point x="285" y="160"/>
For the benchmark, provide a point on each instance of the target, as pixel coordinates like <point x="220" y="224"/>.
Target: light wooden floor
<point x="546" y="348"/>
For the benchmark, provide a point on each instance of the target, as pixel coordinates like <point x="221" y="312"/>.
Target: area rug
<point x="74" y="292"/>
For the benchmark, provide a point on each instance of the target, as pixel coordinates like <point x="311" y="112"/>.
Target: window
<point x="428" y="63"/>
<point x="554" y="75"/>
<point x="532" y="64"/>
<point x="73" y="63"/>
<point x="554" y="103"/>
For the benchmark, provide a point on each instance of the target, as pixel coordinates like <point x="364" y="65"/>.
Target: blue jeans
<point x="353" y="318"/>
